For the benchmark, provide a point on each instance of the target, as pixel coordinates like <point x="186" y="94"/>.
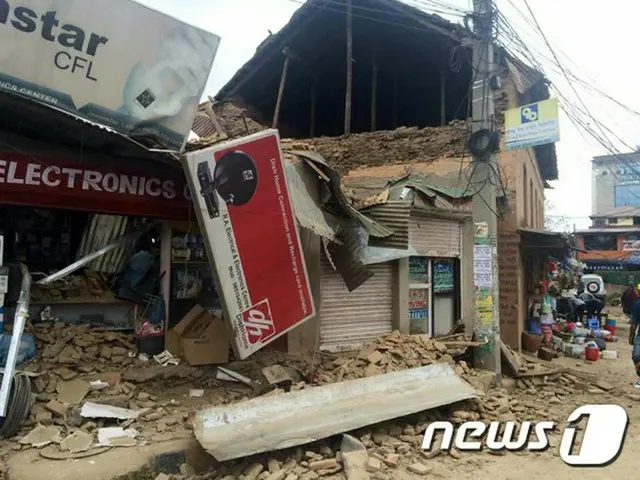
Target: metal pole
<point x="312" y="110"/>
<point x="374" y="89"/>
<point x="443" y="99"/>
<point x="487" y="326"/>
<point x="283" y="80"/>
<point x="347" y="102"/>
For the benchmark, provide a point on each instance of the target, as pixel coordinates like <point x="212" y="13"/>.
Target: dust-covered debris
<point x="390" y="353"/>
<point x="403" y="145"/>
<point x="68" y="349"/>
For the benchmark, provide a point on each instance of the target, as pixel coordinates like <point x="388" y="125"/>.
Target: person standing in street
<point x="628" y="299"/>
<point x="634" y="338"/>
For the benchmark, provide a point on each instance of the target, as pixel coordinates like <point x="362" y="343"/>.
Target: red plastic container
<point x="611" y="328"/>
<point x="591" y="353"/>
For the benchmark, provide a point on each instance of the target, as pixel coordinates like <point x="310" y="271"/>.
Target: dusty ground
<point x="552" y="398"/>
<point x="621" y="374"/>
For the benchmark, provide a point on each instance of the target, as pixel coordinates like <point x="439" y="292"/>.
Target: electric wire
<point x="573" y="112"/>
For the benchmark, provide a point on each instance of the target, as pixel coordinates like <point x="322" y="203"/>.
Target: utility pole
<point x="484" y="178"/>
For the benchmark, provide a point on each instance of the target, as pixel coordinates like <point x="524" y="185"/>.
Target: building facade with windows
<point x="613" y="241"/>
<point x="615" y="182"/>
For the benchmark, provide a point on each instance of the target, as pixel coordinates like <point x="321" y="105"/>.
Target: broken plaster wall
<point x="305" y="338"/>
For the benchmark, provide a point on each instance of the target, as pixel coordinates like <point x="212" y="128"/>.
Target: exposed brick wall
<point x="510" y="276"/>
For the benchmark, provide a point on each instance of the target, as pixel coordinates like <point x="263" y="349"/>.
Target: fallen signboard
<point x="245" y="214"/>
<point x="269" y="423"/>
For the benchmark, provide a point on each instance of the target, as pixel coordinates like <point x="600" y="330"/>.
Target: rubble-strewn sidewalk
<point x="151" y="404"/>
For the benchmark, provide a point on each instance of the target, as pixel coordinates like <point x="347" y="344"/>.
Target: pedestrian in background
<point x="629" y="298"/>
<point x="634" y="339"/>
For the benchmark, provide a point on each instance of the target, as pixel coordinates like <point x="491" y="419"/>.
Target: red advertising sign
<point x="246" y="216"/>
<point x="53" y="182"/>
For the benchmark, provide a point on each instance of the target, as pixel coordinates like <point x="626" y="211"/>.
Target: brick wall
<point x="510" y="276"/>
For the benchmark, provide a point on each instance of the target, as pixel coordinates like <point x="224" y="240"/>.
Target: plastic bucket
<point x="610" y="328"/>
<point x="610" y="321"/>
<point x="533" y="326"/>
<point x="592" y="353"/>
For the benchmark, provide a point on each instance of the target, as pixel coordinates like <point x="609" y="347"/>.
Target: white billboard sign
<point x="113" y="62"/>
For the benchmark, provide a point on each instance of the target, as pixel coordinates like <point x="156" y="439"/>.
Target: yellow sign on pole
<point x="532" y="125"/>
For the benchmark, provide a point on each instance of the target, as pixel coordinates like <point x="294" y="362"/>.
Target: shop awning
<point x="545" y="240"/>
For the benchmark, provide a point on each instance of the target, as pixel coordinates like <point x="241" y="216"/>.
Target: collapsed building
<point x="400" y="110"/>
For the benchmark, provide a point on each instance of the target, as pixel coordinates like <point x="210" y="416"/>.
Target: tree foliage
<point x="553" y="221"/>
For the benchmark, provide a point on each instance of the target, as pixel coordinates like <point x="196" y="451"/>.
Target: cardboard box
<point x="202" y="338"/>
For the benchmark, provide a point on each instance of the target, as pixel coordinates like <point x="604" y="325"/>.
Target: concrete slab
<point x="28" y="465"/>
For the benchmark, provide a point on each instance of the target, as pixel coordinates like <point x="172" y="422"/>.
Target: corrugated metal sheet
<point x="307" y="212"/>
<point x="102" y="230"/>
<point x="395" y="215"/>
<point x="203" y="126"/>
<point x="435" y="237"/>
<point x="346" y="259"/>
<point x="374" y="228"/>
<point x="350" y="319"/>
<point x="267" y="423"/>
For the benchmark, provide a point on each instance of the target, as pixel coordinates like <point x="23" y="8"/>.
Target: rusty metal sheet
<point x="295" y="418"/>
<point x="395" y="215"/>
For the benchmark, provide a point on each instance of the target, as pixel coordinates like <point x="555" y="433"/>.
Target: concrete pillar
<point x="466" y="276"/>
<point x="401" y="296"/>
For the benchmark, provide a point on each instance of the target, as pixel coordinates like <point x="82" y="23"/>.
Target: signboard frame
<point x="247" y="256"/>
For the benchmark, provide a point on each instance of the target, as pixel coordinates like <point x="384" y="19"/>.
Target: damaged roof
<point x="265" y="67"/>
<point x="450" y="33"/>
<point x="446" y="192"/>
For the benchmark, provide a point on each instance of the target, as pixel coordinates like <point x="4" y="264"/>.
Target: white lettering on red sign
<point x="36" y="174"/>
<point x="258" y="322"/>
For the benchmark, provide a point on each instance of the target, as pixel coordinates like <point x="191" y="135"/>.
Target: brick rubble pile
<point x="403" y="145"/>
<point x="82" y="347"/>
<point x="390" y="353"/>
<point x="73" y="358"/>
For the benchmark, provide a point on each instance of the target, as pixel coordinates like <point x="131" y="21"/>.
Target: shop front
<point x="548" y="274"/>
<point x="434" y="274"/>
<point x="420" y="293"/>
<point x="351" y="319"/>
<point x="58" y="208"/>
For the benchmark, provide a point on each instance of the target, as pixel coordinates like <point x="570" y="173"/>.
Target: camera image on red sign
<point x="258" y="322"/>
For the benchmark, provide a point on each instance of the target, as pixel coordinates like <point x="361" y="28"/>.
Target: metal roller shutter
<point x="350" y="319"/>
<point x="435" y="237"/>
